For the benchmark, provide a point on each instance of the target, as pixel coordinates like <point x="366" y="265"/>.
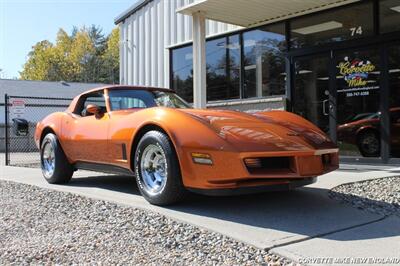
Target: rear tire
<point x="55" y="167"/>
<point x="369" y="143"/>
<point x="157" y="170"/>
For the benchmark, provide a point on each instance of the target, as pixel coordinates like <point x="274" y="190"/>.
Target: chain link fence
<point x="20" y="119"/>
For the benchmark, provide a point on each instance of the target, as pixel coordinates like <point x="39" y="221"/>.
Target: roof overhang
<point x="250" y="13"/>
<point x="135" y="7"/>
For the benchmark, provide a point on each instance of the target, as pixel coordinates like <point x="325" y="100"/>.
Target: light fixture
<point x="304" y="71"/>
<point x="396" y="70"/>
<point x="249" y="67"/>
<point x="231" y="46"/>
<point x="249" y="42"/>
<point x="188" y="56"/>
<point x="330" y="25"/>
<point x="396" y="8"/>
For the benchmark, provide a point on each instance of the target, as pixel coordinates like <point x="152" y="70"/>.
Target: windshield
<point x="168" y="99"/>
<point x="132" y="99"/>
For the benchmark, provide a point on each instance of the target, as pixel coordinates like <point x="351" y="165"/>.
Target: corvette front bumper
<point x="279" y="186"/>
<point x="283" y="169"/>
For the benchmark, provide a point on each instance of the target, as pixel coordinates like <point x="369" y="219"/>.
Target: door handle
<point x="324" y="107"/>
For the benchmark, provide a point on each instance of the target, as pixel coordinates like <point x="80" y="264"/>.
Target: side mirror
<point x="93" y="109"/>
<point x="20" y="127"/>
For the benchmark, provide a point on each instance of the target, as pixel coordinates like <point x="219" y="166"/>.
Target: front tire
<point x="157" y="170"/>
<point x="55" y="167"/>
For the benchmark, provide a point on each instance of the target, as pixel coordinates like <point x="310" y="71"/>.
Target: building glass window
<point x="351" y="22"/>
<point x="264" y="61"/>
<point x="394" y="87"/>
<point x="223" y="68"/>
<point x="389" y="15"/>
<point x="182" y="72"/>
<point x="311" y="89"/>
<point x="358" y="93"/>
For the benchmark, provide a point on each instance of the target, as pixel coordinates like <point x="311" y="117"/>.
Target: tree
<point x="84" y="56"/>
<point x="111" y="58"/>
<point x="93" y="59"/>
<point x="62" y="50"/>
<point x="41" y="64"/>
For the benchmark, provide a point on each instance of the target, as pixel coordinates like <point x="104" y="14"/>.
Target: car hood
<point x="259" y="132"/>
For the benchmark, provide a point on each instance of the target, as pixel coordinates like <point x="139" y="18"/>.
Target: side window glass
<point x="120" y="103"/>
<point x="130" y="99"/>
<point x="95" y="98"/>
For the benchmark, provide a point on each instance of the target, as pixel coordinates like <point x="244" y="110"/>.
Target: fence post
<point x="6" y="133"/>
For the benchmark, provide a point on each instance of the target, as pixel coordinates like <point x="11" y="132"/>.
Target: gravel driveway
<point x="43" y="226"/>
<point x="380" y="195"/>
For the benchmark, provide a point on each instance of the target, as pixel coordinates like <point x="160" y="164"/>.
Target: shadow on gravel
<point x="306" y="211"/>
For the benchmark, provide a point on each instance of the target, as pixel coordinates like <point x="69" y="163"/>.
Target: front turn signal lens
<point x="202" y="158"/>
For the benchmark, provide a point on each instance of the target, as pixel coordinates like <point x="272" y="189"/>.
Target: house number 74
<point x="356" y="31"/>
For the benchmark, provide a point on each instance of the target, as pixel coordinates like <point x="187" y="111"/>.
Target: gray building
<point x="35" y="109"/>
<point x="32" y="88"/>
<point x="334" y="62"/>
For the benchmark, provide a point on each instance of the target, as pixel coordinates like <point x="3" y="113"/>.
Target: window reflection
<point x="352" y="22"/>
<point x="389" y="15"/>
<point x="311" y="90"/>
<point x="358" y="93"/>
<point x="264" y="65"/>
<point x="394" y="86"/>
<point x="264" y="61"/>
<point x="182" y="72"/>
<point x="223" y="68"/>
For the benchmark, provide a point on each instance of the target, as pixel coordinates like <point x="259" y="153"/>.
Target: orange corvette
<point x="172" y="148"/>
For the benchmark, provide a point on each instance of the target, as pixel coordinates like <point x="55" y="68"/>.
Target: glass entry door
<point x="341" y="95"/>
<point x="394" y="99"/>
<point x="311" y="89"/>
<point x="357" y="81"/>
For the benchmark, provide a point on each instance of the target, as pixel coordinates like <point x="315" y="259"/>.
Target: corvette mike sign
<point x="357" y="76"/>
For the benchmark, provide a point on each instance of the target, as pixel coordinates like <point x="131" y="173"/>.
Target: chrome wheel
<point x="48" y="160"/>
<point x="370" y="144"/>
<point x="153" y="169"/>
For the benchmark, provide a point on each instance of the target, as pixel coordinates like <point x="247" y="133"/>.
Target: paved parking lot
<point x="293" y="224"/>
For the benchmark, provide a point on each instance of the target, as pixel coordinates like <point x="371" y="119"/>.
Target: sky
<point x="23" y="23"/>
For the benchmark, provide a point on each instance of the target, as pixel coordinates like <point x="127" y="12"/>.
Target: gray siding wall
<point x="146" y="36"/>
